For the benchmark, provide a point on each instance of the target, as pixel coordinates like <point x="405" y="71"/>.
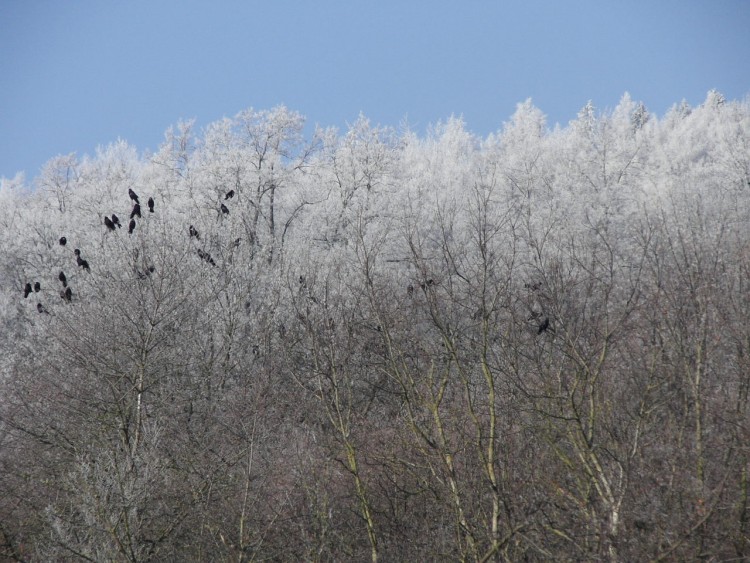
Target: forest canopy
<point x="372" y="344"/>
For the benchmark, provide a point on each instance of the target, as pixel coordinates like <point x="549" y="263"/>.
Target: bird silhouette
<point x="151" y="204"/>
<point x="37" y="287"/>
<point x="116" y="220"/>
<point x="131" y="227"/>
<point x="66" y="294"/>
<point x="544" y="327"/>
<point x="108" y="222"/>
<point x="194" y="232"/>
<point x="80" y="261"/>
<point x="133" y="195"/>
<point x="63" y="279"/>
<point x="136" y="211"/>
<point x="224" y="209"/>
<point x="229" y="195"/>
<point x="206" y="256"/>
<point x="63" y="241"/>
<point x="26" y="290"/>
<point x="41" y="309"/>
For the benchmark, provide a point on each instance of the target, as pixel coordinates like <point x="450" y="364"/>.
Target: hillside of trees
<point x="372" y="344"/>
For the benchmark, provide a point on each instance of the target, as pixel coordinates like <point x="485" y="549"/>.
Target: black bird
<point x="133" y="195"/>
<point x="544" y="327"/>
<point x="131" y="227"/>
<point x="37" y="287"/>
<point x="224" y="209"/>
<point x="194" y="233"/>
<point x="136" y="211"/>
<point x="41" y="309"/>
<point x="77" y="252"/>
<point x="116" y="220"/>
<point x="237" y="242"/>
<point x="80" y="261"/>
<point x="63" y="241"/>
<point x="151" y="204"/>
<point x="410" y="290"/>
<point x="63" y="279"/>
<point x="206" y="256"/>
<point x="230" y="195"/>
<point x="108" y="222"/>
<point x="66" y="295"/>
<point x="26" y="290"/>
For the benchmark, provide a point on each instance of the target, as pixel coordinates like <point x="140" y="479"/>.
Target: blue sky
<point x="78" y="74"/>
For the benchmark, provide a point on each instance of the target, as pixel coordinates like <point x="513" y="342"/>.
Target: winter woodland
<point x="378" y="345"/>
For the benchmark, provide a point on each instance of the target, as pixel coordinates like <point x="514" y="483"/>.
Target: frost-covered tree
<point x="376" y="345"/>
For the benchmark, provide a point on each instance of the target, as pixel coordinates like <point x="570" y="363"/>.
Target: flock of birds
<point x="113" y="223"/>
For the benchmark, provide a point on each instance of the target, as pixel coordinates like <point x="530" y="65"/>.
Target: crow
<point x="63" y="279"/>
<point x="133" y="195"/>
<point x="26" y="290"/>
<point x="131" y="227"/>
<point x="194" y="232"/>
<point x="237" y="242"/>
<point x="116" y="220"/>
<point x="41" y="309"/>
<point x="206" y="256"/>
<point x="224" y="209"/>
<point x="108" y="222"/>
<point x="136" y="211"/>
<point x="63" y="241"/>
<point x="230" y="195"/>
<point x="37" y="287"/>
<point x="66" y="295"/>
<point x="80" y="261"/>
<point x="544" y="327"/>
<point x="151" y="204"/>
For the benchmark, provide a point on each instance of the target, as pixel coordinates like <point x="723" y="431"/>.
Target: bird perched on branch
<point x="133" y="195"/>
<point x="80" y="261"/>
<point x="229" y="195"/>
<point x="63" y="241"/>
<point x="136" y="211"/>
<point x="37" y="287"/>
<point x="26" y="290"/>
<point x="63" y="279"/>
<point x="544" y="327"/>
<point x="194" y="232"/>
<point x="151" y="204"/>
<point x="108" y="222"/>
<point x="224" y="209"/>
<point x="131" y="227"/>
<point x="116" y="220"/>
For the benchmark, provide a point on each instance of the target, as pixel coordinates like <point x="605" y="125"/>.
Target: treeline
<point x="375" y="345"/>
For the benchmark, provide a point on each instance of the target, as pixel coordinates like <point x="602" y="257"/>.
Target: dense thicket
<point x="366" y="345"/>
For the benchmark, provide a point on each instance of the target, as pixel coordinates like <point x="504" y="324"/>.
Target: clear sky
<point x="77" y="74"/>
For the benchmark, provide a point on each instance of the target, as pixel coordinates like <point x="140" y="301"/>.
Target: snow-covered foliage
<point x="371" y="344"/>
